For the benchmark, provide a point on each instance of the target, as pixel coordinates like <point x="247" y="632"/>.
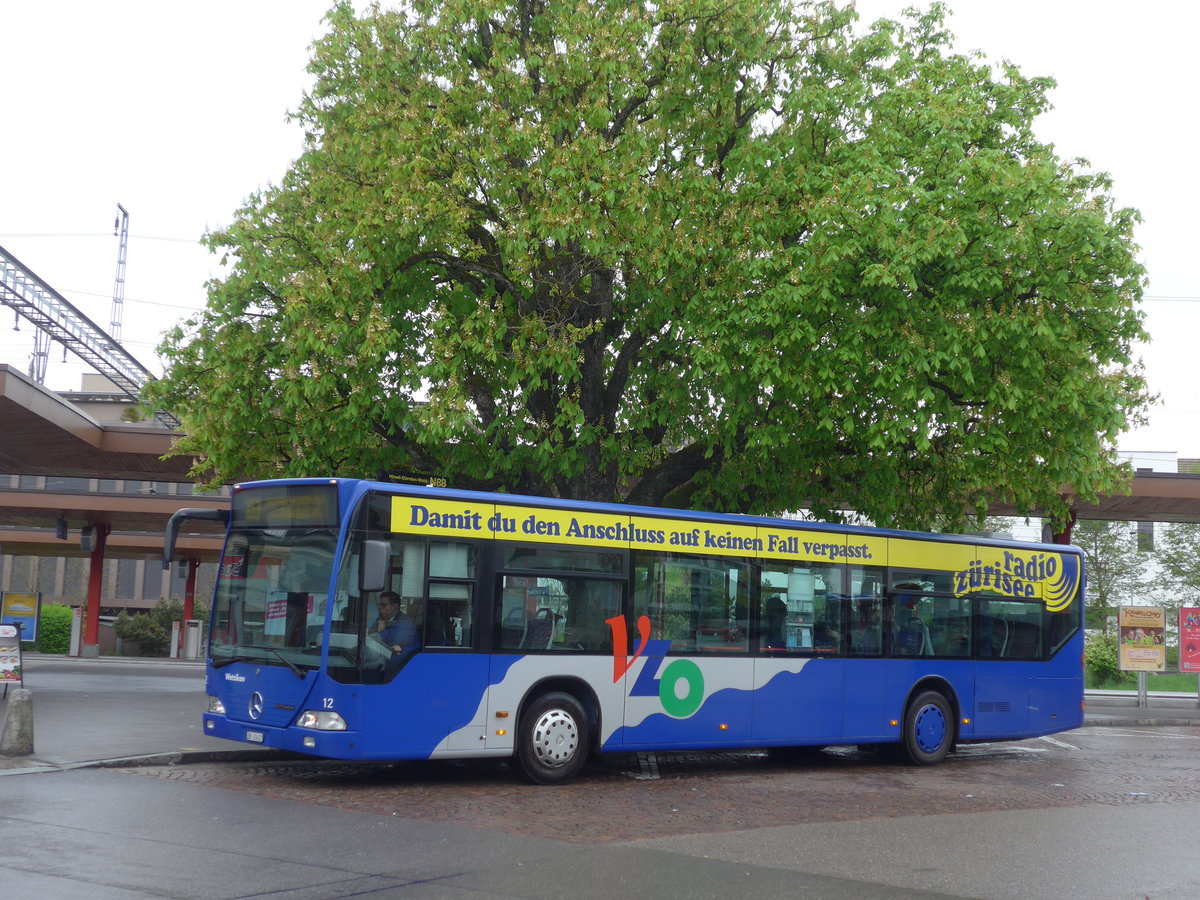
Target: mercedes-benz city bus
<point x="373" y="621"/>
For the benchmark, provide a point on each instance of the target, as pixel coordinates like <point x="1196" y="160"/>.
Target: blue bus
<point x="373" y="621"/>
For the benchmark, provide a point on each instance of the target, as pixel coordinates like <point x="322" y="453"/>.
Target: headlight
<point x="215" y="705"/>
<point x="321" y="720"/>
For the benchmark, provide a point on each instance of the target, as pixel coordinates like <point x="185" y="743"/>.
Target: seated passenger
<point x="866" y="636"/>
<point x="957" y="639"/>
<point x="825" y="637"/>
<point x="912" y="638"/>
<point x="774" y="622"/>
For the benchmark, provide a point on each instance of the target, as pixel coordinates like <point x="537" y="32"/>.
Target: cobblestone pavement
<point x="637" y="796"/>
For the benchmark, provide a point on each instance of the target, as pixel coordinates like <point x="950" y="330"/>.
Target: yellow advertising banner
<point x="1013" y="572"/>
<point x="1142" y="638"/>
<point x="909" y="554"/>
<point x="420" y="515"/>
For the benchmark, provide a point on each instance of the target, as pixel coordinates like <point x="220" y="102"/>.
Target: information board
<point x="1142" y="631"/>
<point x="10" y="655"/>
<point x="17" y="608"/>
<point x="1189" y="639"/>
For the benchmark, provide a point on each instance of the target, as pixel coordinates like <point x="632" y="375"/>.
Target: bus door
<point x="693" y="682"/>
<point x="864" y="705"/>
<point x="1002" y="700"/>
<point x="801" y="668"/>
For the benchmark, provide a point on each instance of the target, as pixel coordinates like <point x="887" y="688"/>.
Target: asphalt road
<point x="1104" y="812"/>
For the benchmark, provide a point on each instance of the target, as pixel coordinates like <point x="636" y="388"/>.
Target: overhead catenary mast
<point x="121" y="228"/>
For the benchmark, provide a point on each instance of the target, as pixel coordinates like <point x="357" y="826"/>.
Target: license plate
<point x="255" y="737"/>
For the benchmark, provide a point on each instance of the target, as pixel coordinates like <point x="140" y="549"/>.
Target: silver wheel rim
<point x="555" y="738"/>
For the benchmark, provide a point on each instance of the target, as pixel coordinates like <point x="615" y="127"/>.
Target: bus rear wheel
<point x="928" y="729"/>
<point x="552" y="744"/>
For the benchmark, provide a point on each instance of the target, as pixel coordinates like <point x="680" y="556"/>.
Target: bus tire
<point x="552" y="744"/>
<point x="928" y="729"/>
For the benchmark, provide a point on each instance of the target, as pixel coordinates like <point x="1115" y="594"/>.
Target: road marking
<point x="1057" y="743"/>
<point x="1149" y="732"/>
<point x="991" y="748"/>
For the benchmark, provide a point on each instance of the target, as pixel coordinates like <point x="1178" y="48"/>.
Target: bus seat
<point x="512" y="629"/>
<point x="913" y="640"/>
<point x="540" y="633"/>
<point x="1000" y="632"/>
<point x="1024" y="641"/>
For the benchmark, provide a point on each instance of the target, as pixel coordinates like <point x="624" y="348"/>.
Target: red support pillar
<point x="1064" y="536"/>
<point x="189" y="590"/>
<point x="91" y="632"/>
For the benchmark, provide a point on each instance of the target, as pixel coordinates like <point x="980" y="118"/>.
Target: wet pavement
<point x="617" y="798"/>
<point x="124" y="798"/>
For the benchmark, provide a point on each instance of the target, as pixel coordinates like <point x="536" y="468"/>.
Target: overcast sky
<point x="178" y="112"/>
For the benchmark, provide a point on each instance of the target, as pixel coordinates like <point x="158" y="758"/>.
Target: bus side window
<point x="950" y="629"/>
<point x="912" y="633"/>
<point x="567" y="613"/>
<point x="697" y="603"/>
<point x="447" y="611"/>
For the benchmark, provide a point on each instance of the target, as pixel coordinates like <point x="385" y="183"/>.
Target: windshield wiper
<point x="287" y="662"/>
<point x="242" y="657"/>
<point x="230" y="660"/>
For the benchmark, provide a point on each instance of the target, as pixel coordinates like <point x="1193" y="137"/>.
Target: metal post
<point x="1142" y="699"/>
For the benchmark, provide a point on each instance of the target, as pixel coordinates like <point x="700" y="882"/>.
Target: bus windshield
<point x="271" y="596"/>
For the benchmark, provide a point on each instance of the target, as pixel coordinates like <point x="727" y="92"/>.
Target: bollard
<point x="16" y="737"/>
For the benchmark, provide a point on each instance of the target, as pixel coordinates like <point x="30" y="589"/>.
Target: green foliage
<point x="54" y="629"/>
<point x="1177" y="551"/>
<point x="1116" y="569"/>
<point x="151" y="630"/>
<point x="715" y="255"/>
<point x="142" y="629"/>
<point x="1102" y="663"/>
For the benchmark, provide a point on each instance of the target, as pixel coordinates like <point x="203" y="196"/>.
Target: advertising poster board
<point x="21" y="609"/>
<point x="1189" y="639"/>
<point x="1142" y="640"/>
<point x="10" y="656"/>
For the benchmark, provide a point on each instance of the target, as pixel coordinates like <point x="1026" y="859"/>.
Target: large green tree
<point x="729" y="254"/>
<point x="1177" y="578"/>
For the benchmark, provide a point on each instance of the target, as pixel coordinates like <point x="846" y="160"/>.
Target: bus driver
<point x="393" y="627"/>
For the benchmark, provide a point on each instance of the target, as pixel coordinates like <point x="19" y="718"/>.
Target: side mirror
<point x="374" y="563"/>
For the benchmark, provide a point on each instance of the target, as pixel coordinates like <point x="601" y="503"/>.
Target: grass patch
<point x="1180" y="682"/>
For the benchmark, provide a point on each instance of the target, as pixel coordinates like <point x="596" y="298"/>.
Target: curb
<point x="173" y="758"/>
<point x="33" y="655"/>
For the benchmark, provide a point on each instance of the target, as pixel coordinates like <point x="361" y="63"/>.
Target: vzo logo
<point x="680" y="689"/>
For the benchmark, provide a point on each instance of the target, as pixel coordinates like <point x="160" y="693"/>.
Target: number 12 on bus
<point x="362" y="620"/>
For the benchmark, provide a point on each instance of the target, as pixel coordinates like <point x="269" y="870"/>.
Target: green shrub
<point x="1102" y="662"/>
<point x="151" y="630"/>
<point x="54" y="629"/>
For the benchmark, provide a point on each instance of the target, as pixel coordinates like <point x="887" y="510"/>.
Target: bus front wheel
<point x="552" y="744"/>
<point x="928" y="729"/>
